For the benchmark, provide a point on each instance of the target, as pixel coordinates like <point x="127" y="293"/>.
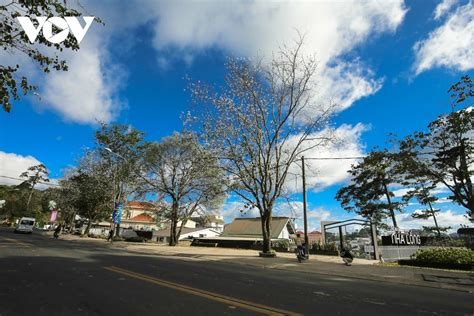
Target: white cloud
<point x="12" y="165"/>
<point x="444" y="218"/>
<point x="326" y="172"/>
<point x="182" y="28"/>
<point x="443" y="8"/>
<point x="451" y="45"/>
<point x="250" y="27"/>
<point x="85" y="93"/>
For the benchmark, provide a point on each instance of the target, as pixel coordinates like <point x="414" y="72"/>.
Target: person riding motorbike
<point x="300" y="248"/>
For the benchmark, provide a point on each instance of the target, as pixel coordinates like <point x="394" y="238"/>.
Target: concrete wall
<point x="394" y="253"/>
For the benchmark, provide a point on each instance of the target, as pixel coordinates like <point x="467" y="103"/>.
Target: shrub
<point x="445" y="256"/>
<point x="323" y="247"/>
<point x="283" y="244"/>
<point x="446" y="242"/>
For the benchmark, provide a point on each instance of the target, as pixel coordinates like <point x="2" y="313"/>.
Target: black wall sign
<point x="403" y="239"/>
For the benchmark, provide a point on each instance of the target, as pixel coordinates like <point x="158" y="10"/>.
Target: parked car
<point x="25" y="225"/>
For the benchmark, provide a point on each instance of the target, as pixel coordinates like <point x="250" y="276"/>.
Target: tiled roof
<point x="140" y="205"/>
<point x="166" y="232"/>
<point x="252" y="227"/>
<point x="142" y="218"/>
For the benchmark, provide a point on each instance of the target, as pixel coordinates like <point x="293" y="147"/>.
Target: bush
<point x="324" y="247"/>
<point x="447" y="258"/>
<point x="445" y="255"/>
<point x="446" y="242"/>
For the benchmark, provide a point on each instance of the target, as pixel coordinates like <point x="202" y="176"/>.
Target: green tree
<point x="186" y="176"/>
<point x="444" y="155"/>
<point x="120" y="147"/>
<point x="34" y="175"/>
<point x="261" y="122"/>
<point x="90" y="189"/>
<point x="369" y="193"/>
<point x="14" y="41"/>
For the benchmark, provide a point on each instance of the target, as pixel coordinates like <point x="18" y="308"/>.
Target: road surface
<point x="43" y="276"/>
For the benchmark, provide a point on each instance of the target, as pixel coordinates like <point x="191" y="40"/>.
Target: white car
<point x="25" y="225"/>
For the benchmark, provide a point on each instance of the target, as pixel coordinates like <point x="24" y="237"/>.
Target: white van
<point x="25" y="225"/>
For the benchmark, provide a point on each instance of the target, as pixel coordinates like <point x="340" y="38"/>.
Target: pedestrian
<point x="111" y="235"/>
<point x="57" y="231"/>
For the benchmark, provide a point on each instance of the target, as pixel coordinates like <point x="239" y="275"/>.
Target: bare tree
<point x="184" y="175"/>
<point x="263" y="119"/>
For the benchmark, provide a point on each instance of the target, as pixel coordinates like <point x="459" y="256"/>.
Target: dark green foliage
<point x="13" y="40"/>
<point x="368" y="194"/>
<point x="445" y="255"/>
<point x="445" y="155"/>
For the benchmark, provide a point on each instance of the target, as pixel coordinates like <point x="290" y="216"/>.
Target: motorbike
<point x="300" y="255"/>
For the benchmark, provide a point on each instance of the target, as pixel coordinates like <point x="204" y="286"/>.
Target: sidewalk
<point x="326" y="265"/>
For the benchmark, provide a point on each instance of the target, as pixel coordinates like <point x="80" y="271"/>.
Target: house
<point x="215" y="222"/>
<point x="314" y="237"/>
<point x="247" y="233"/>
<point x="140" y="215"/>
<point x="163" y="235"/>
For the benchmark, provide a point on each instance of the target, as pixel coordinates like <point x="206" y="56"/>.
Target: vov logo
<point x="66" y="24"/>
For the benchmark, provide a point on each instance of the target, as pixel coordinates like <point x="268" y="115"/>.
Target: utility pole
<point x="306" y="241"/>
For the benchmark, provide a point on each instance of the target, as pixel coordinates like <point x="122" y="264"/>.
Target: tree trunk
<point x="390" y="208"/>
<point x="88" y="228"/>
<point x="434" y="218"/>
<point x="266" y="234"/>
<point x="469" y="186"/>
<point x="174" y="224"/>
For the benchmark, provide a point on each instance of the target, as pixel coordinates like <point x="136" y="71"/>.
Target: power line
<point x="41" y="182"/>
<point x="333" y="158"/>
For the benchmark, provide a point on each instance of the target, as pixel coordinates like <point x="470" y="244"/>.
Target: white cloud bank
<point x="322" y="173"/>
<point x="12" y="165"/>
<point x="444" y="218"/>
<point x="85" y="93"/>
<point x="248" y="28"/>
<point x="181" y="29"/>
<point x="442" y="8"/>
<point x="451" y="45"/>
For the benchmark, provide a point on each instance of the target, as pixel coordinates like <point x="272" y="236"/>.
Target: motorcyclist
<point x="300" y="245"/>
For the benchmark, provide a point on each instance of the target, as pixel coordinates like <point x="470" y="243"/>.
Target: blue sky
<point x="388" y="63"/>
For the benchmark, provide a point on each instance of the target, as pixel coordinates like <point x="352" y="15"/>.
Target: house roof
<point x="252" y="227"/>
<point x="140" y="205"/>
<point x="166" y="232"/>
<point x="142" y="218"/>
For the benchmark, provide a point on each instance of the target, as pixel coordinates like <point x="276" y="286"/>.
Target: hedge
<point x="448" y="258"/>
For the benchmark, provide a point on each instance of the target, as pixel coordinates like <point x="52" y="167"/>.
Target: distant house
<point x="163" y="235"/>
<point x="247" y="233"/>
<point x="140" y="215"/>
<point x="215" y="222"/>
<point x="314" y="237"/>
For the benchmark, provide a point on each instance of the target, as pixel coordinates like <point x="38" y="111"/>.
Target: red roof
<point x="142" y="218"/>
<point x="140" y="205"/>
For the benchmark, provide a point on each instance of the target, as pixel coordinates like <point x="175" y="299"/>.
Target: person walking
<point x="111" y="235"/>
<point x="57" y="231"/>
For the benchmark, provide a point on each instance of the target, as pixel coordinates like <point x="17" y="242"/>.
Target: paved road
<point x="42" y="276"/>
